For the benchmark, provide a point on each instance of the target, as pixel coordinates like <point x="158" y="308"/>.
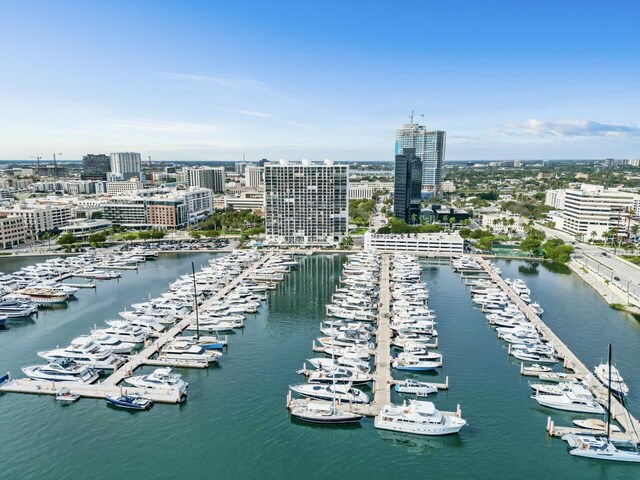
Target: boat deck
<point x="629" y="424"/>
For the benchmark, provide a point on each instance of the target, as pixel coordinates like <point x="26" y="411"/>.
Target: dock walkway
<point x="630" y="424"/>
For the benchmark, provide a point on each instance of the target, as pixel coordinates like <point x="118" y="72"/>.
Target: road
<point x="603" y="262"/>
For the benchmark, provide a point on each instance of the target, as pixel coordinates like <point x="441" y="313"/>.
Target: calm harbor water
<point x="234" y="424"/>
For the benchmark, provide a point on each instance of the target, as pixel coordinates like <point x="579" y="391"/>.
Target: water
<point x="234" y="424"/>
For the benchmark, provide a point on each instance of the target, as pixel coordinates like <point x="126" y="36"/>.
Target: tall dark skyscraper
<point x="95" y="167"/>
<point x="408" y="182"/>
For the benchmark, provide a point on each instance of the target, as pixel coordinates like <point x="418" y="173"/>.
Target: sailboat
<point x="325" y="412"/>
<point x="601" y="447"/>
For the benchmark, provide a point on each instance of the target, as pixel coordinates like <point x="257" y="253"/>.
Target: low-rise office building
<point x="41" y="218"/>
<point x="12" y="230"/>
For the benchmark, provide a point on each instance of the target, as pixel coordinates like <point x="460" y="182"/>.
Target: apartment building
<point x="212" y="178"/>
<point x="306" y="203"/>
<point x="254" y="177"/>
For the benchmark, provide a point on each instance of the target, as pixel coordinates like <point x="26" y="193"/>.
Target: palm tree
<point x="634" y="230"/>
<point x="594" y="234"/>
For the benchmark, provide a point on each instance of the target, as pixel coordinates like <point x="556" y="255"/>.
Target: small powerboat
<point x="132" y="402"/>
<point x="66" y="396"/>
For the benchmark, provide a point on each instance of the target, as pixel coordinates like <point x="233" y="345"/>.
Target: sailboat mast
<point x="195" y="301"/>
<point x="609" y="398"/>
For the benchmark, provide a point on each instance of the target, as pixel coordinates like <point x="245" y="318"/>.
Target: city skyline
<point x="302" y="81"/>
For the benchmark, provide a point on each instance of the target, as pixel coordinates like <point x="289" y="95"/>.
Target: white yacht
<point x="114" y="344"/>
<point x="161" y="377"/>
<point x="418" y="417"/>
<point x="618" y="386"/>
<point x="85" y="353"/>
<point x="123" y="331"/>
<point x="185" y="350"/>
<point x="570" y="402"/>
<point x="421" y="389"/>
<point x="340" y="392"/>
<point x="63" y="371"/>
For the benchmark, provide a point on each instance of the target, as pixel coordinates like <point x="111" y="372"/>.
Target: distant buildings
<point x="240" y="167"/>
<point x="122" y="187"/>
<point x="125" y="165"/>
<point x="406" y="192"/>
<point x="592" y="210"/>
<point x="634" y="162"/>
<point x="254" y="177"/>
<point x="95" y="167"/>
<point x="517" y="163"/>
<point x="429" y="146"/>
<point x="212" y="178"/>
<point x="306" y="203"/>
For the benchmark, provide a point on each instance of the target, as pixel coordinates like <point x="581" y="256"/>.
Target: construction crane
<point x="37" y="158"/>
<point x="150" y="173"/>
<point x="412" y="115"/>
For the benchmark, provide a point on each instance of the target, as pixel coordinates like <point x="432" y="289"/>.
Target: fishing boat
<point x="419" y="418"/>
<point x="132" y="402"/>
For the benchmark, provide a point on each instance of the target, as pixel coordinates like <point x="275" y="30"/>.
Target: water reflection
<point x="421" y="445"/>
<point x="555" y="267"/>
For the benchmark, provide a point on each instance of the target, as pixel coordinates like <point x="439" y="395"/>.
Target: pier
<point x="110" y="385"/>
<point x="629" y="424"/>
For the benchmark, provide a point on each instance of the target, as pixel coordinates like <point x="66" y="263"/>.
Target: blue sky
<point x="214" y="80"/>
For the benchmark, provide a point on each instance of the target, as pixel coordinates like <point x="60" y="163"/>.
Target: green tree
<point x="144" y="235"/>
<point x="67" y="239"/>
<point x="346" y="243"/>
<point x="156" y="233"/>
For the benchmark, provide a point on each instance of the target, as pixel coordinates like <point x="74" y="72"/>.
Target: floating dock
<point x="629" y="424"/>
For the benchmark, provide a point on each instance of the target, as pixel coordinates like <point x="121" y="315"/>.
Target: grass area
<point x="635" y="259"/>
<point x="618" y="306"/>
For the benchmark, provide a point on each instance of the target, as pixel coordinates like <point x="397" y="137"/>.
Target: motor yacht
<point x="616" y="382"/>
<point x="409" y="386"/>
<point x="159" y="378"/>
<point x="418" y="417"/>
<point x="87" y="353"/>
<point x="62" y="371"/>
<point x="340" y="392"/>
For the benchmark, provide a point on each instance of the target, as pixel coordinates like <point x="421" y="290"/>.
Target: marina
<point x="291" y="320"/>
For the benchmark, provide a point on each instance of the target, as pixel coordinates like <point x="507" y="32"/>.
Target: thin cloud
<point x="163" y="126"/>
<point x="252" y="113"/>
<point x="575" y="128"/>
<point x="234" y="83"/>
<point x="298" y="124"/>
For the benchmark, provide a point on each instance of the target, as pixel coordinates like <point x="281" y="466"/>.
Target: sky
<point x="216" y="80"/>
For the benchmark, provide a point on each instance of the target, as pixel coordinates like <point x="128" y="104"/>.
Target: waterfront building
<point x="40" y="218"/>
<point x="406" y="192"/>
<point x="254" y="177"/>
<point x="160" y="208"/>
<point x="212" y="178"/>
<point x="126" y="165"/>
<point x="12" y="230"/>
<point x="82" y="227"/>
<point x="306" y="203"/>
<point x="427" y="243"/>
<point x="95" y="166"/>
<point x="123" y="187"/>
<point x="592" y="210"/>
<point x="429" y="146"/>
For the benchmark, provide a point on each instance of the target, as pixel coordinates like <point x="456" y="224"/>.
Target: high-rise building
<point x="212" y="178"/>
<point x="406" y="191"/>
<point x="254" y="177"/>
<point x="306" y="203"/>
<point x="125" y="165"/>
<point x="239" y="167"/>
<point x="429" y="146"/>
<point x="95" y="167"/>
